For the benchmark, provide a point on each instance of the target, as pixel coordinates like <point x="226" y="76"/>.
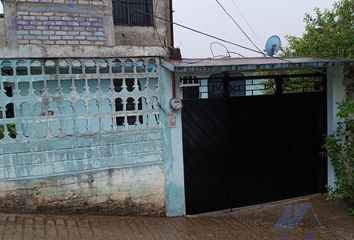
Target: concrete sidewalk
<point x="259" y="222"/>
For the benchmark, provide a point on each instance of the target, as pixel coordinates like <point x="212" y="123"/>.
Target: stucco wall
<point x="135" y="190"/>
<point x="81" y="135"/>
<point x="2" y="31"/>
<point x="157" y="35"/>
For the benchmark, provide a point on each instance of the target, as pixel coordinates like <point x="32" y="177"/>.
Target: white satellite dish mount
<point x="273" y="45"/>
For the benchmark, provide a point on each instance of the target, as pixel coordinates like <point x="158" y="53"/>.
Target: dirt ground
<point x="310" y="218"/>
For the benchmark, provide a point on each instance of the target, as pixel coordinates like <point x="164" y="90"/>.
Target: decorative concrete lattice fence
<point x="67" y="115"/>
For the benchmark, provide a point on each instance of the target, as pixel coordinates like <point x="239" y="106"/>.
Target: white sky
<point x="266" y="17"/>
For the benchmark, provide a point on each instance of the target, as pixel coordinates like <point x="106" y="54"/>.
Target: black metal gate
<point x="241" y="149"/>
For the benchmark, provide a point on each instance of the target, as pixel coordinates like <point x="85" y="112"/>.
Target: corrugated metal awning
<point x="250" y="64"/>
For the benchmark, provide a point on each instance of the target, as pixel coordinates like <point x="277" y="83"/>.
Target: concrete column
<point x="108" y="24"/>
<point x="9" y="7"/>
<point x="173" y="148"/>
<point x="335" y="93"/>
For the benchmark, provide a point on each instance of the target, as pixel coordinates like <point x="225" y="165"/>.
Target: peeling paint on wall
<point x="126" y="191"/>
<point x="81" y="117"/>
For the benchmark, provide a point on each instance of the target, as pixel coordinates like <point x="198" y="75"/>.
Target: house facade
<point x="90" y="118"/>
<point x="81" y="25"/>
<point x="84" y="108"/>
<point x="253" y="128"/>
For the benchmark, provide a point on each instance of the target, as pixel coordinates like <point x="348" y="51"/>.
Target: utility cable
<point x="227" y="51"/>
<point x="212" y="51"/>
<point x="237" y="54"/>
<point x="192" y="29"/>
<point x="211" y="36"/>
<point x="233" y="19"/>
<point x="244" y="19"/>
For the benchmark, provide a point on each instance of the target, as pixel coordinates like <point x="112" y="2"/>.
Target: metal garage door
<point x="254" y="140"/>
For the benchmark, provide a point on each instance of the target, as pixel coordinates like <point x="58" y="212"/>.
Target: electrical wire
<point x="211" y="36"/>
<point x="237" y="54"/>
<point x="192" y="29"/>
<point x="233" y="19"/>
<point x="279" y="58"/>
<point x="227" y="51"/>
<point x="212" y="51"/>
<point x="244" y="19"/>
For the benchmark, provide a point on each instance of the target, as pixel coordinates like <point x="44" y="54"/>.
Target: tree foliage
<point x="340" y="148"/>
<point x="11" y="130"/>
<point x="328" y="34"/>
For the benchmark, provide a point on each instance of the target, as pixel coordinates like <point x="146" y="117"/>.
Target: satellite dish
<point x="273" y="45"/>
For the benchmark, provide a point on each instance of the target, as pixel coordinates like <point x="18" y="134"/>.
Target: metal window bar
<point x="257" y="85"/>
<point x="131" y="12"/>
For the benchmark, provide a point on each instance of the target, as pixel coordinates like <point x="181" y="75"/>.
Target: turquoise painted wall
<point x="173" y="147"/>
<point x="73" y="118"/>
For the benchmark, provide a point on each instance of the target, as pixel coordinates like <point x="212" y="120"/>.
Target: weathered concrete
<point x="47" y="23"/>
<point x="127" y="191"/>
<point x="88" y="136"/>
<point x="36" y="51"/>
<point x="82" y="142"/>
<point x="2" y="31"/>
<point x="248" y="223"/>
<point x="157" y="35"/>
<point x="173" y="150"/>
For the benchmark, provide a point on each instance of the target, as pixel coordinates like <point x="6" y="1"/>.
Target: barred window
<point x="132" y="12"/>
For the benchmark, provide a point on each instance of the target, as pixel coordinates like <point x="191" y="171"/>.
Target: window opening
<point x="36" y="68"/>
<point x="118" y="84"/>
<point x="76" y="67"/>
<point x="90" y="67"/>
<point x="21" y="68"/>
<point x="133" y="12"/>
<point x="116" y="66"/>
<point x="6" y="69"/>
<point x="103" y="66"/>
<point x="63" y="67"/>
<point x="129" y="82"/>
<point x="50" y="67"/>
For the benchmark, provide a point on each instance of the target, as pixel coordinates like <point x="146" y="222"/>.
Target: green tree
<point x="340" y="148"/>
<point x="328" y="34"/>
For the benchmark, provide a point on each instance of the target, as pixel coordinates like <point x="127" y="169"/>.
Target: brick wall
<point x="59" y="22"/>
<point x="59" y="28"/>
<point x="84" y="23"/>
